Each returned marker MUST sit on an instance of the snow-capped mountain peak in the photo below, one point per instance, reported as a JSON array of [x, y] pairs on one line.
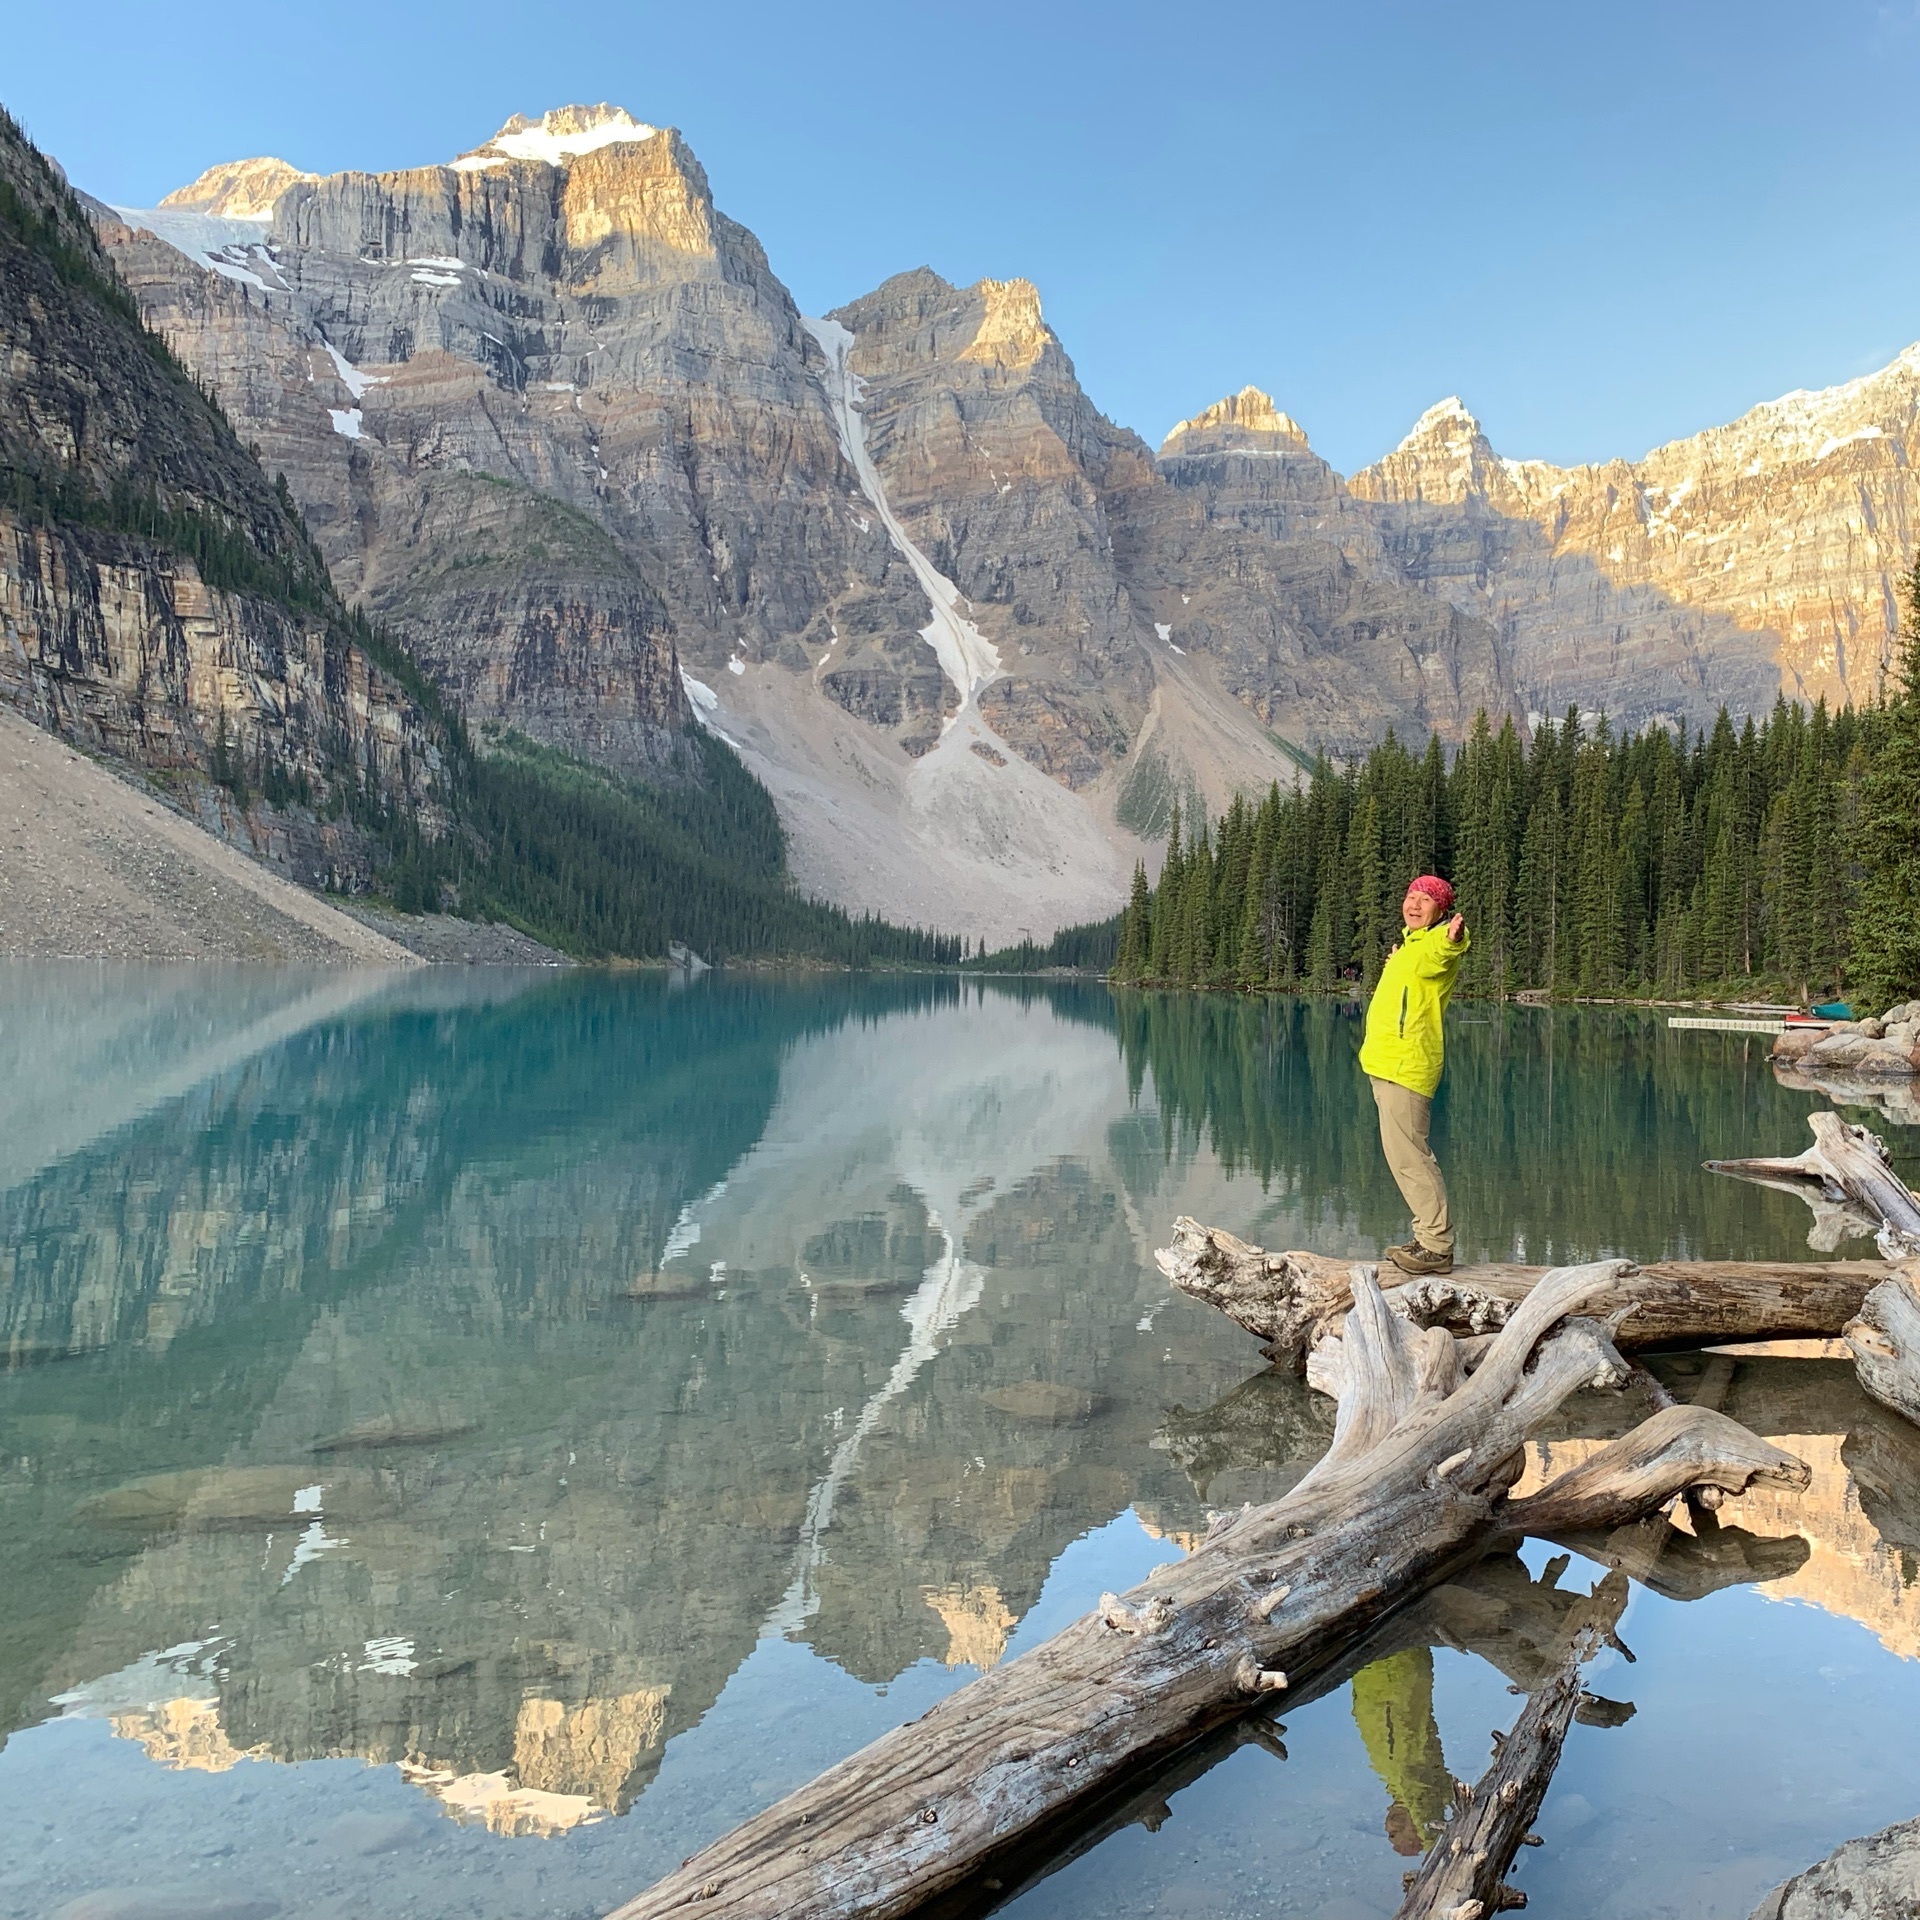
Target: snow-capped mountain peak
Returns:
[[1248, 416], [556, 137], [1447, 419]]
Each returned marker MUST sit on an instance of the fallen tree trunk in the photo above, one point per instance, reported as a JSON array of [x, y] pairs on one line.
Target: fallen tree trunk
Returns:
[[1845, 1173], [1464, 1875], [1413, 1485], [1494, 1610], [1885, 1341], [1288, 1300]]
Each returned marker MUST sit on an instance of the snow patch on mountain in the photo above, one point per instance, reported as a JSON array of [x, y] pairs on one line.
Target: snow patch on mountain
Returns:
[[355, 382], [231, 245], [556, 137], [967, 657]]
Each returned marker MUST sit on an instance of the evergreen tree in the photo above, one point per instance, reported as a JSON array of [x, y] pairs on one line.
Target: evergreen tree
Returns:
[[1136, 928], [1782, 855], [1536, 903], [1374, 921], [1886, 926]]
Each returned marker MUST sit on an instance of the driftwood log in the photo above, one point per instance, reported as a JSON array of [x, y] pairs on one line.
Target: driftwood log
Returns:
[[1464, 1874], [1885, 1341], [1289, 1300], [1846, 1176], [1414, 1484], [1494, 1610]]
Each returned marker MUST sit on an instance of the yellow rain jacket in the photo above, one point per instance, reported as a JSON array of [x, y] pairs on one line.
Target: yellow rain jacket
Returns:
[[1404, 1040]]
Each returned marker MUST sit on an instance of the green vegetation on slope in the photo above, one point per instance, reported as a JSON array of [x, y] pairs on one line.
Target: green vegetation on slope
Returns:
[[602, 866], [224, 556], [1772, 857]]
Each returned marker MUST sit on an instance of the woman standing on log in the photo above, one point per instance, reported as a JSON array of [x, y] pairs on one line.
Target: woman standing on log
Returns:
[[1403, 1054]]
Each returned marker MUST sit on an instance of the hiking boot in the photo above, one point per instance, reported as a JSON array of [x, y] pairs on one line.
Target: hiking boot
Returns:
[[1420, 1260], [1405, 1246]]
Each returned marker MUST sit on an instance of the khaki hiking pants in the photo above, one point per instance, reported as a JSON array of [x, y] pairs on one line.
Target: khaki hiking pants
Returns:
[[1405, 1117]]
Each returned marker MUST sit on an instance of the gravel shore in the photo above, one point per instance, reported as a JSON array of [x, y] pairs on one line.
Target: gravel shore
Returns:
[[91, 868]]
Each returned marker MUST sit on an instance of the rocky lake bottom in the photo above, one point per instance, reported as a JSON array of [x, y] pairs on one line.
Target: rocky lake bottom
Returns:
[[467, 1438]]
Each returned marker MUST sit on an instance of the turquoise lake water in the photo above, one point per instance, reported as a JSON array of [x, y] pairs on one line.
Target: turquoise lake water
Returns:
[[466, 1438]]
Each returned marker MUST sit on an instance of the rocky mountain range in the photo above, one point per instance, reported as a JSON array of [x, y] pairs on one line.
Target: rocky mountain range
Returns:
[[160, 602], [552, 414]]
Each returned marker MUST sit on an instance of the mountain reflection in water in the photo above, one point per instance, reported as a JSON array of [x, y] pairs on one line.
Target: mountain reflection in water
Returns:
[[507, 1380]]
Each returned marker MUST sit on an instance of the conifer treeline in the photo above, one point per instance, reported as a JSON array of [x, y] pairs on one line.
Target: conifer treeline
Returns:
[[603, 866], [1778, 855]]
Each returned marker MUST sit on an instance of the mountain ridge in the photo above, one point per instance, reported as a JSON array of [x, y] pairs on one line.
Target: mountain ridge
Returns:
[[563, 315]]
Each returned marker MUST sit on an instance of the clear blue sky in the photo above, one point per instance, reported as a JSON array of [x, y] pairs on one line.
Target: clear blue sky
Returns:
[[1604, 226]]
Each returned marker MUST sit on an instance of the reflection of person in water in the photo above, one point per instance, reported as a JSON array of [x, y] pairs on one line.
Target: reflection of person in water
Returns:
[[1393, 1708]]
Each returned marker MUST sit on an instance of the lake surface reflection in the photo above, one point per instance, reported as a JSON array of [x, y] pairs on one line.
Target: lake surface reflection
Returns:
[[466, 1439]]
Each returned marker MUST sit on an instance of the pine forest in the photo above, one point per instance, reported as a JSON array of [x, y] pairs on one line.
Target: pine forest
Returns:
[[1781, 856]]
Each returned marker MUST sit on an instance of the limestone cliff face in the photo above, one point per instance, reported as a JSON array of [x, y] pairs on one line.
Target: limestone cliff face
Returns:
[[158, 601], [1253, 554], [1166, 618], [238, 189], [1001, 471], [137, 658], [1750, 559], [545, 315], [550, 410]]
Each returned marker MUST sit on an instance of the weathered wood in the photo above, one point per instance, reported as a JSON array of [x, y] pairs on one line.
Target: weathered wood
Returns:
[[1287, 1300], [1846, 1172], [1885, 1341], [1413, 1485], [1689, 1566], [1678, 1448], [1464, 1874]]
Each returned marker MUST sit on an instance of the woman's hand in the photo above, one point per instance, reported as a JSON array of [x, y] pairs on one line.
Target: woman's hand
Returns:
[[1456, 928]]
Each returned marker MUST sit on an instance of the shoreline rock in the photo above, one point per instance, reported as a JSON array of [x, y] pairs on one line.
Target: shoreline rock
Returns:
[[1887, 1046]]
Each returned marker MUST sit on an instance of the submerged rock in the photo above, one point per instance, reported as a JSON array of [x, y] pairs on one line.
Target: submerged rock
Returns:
[[1045, 1402], [394, 1430], [215, 1497]]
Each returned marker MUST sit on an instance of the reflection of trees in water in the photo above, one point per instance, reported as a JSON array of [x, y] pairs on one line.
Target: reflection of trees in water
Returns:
[[1566, 1132]]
